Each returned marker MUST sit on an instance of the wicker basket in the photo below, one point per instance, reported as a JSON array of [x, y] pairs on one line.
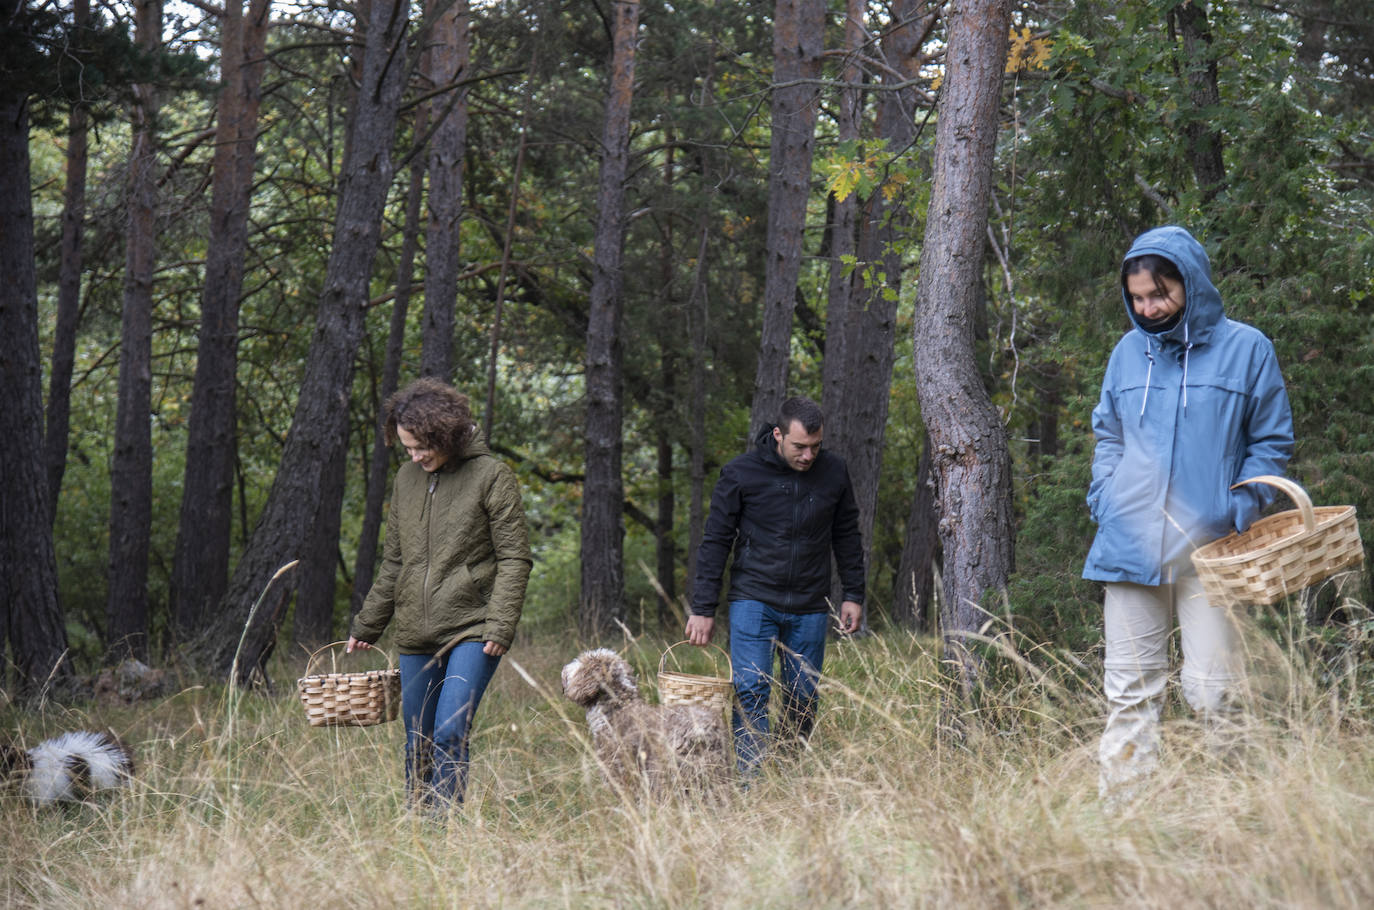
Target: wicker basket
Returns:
[[358, 699], [677, 688], [1281, 554]]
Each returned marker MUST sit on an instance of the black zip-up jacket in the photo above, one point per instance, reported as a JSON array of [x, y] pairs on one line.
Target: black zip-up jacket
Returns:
[[782, 525]]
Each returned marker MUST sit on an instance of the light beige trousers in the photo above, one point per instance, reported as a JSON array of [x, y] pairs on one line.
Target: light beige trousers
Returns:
[[1138, 621]]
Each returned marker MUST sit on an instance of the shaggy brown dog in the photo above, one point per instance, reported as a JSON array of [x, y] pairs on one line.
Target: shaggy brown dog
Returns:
[[646, 749]]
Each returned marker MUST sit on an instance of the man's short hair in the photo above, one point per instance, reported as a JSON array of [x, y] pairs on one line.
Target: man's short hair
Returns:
[[803, 411]]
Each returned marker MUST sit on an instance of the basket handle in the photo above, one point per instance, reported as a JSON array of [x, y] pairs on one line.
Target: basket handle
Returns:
[[1295, 492], [728, 664], [390, 664]]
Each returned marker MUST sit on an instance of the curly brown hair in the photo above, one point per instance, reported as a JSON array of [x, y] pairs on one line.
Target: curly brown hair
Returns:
[[434, 412]]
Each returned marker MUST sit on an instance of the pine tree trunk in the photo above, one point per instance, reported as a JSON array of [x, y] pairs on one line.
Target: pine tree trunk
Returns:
[[841, 236], [697, 319], [324, 395], [665, 547], [313, 622], [969, 449], [798, 42], [1200, 70], [603, 532], [31, 616], [914, 588], [447, 62], [131, 471], [200, 568], [856, 424], [365, 567], [68, 291]]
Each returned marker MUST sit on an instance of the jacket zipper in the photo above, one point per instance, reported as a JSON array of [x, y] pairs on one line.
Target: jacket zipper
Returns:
[[429, 527], [796, 542]]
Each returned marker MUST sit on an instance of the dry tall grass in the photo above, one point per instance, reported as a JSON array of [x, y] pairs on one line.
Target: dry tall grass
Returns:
[[240, 804]]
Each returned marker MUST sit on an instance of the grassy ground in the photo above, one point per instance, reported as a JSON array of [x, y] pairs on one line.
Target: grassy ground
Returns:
[[238, 803]]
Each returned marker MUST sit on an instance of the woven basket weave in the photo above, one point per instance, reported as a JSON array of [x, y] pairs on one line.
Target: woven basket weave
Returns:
[[677, 688], [1281, 554], [359, 699]]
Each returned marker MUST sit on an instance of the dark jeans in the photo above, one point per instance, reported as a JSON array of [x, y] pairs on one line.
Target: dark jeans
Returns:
[[438, 700], [758, 632]]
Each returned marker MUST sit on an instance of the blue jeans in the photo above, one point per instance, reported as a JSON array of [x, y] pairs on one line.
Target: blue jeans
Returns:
[[439, 697], [757, 633]]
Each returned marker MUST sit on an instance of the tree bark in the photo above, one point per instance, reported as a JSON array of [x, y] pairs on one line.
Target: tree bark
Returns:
[[313, 622], [841, 235], [870, 319], [200, 568], [603, 531], [365, 567], [447, 62], [30, 613], [798, 42], [68, 290], [665, 547], [698, 313], [914, 587], [969, 449], [131, 471], [363, 185], [1200, 70]]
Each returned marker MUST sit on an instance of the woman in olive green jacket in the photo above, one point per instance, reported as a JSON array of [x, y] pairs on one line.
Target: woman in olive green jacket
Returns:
[[452, 582]]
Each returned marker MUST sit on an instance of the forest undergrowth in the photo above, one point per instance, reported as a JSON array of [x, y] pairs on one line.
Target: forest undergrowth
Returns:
[[906, 797]]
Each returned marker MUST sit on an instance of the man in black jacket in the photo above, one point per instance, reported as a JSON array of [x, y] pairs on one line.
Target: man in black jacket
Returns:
[[782, 507]]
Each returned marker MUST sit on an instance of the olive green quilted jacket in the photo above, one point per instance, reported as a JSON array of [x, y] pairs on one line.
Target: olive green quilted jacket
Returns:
[[456, 559]]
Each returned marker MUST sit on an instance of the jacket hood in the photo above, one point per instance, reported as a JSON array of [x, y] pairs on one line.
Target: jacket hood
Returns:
[[767, 448], [476, 446], [1202, 301]]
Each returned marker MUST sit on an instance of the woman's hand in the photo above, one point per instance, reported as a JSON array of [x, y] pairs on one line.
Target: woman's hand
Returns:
[[493, 649], [356, 643]]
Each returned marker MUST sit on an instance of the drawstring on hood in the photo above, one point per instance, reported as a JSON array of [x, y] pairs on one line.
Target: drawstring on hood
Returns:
[[1201, 301]]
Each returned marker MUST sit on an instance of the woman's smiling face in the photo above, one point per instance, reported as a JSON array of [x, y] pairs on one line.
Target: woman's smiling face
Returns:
[[429, 459], [1154, 297]]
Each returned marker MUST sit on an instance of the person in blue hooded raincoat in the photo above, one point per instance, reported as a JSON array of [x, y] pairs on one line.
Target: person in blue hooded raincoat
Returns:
[[1192, 402]]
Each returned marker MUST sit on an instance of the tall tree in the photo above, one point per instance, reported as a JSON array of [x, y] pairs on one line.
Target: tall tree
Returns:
[[200, 568], [365, 567], [603, 570], [970, 456], [840, 231], [1199, 66], [798, 43], [324, 392], [30, 613], [446, 66], [68, 285], [313, 619], [914, 587], [870, 317], [131, 472]]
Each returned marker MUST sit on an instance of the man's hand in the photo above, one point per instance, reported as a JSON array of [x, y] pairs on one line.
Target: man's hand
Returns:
[[700, 629], [851, 614]]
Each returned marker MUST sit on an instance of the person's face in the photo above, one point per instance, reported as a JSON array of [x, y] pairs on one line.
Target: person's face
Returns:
[[797, 447], [429, 459], [1146, 299]]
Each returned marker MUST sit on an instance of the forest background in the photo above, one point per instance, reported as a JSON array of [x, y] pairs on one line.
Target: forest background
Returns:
[[626, 230]]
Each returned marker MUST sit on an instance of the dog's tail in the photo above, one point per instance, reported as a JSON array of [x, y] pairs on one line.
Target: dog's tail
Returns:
[[75, 765]]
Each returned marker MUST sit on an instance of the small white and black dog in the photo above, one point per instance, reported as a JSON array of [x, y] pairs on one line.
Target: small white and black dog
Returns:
[[644, 748], [67, 768]]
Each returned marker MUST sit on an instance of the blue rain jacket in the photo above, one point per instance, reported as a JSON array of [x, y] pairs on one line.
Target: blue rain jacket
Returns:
[[1184, 413]]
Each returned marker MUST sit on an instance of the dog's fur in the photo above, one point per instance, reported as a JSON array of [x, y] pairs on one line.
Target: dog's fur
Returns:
[[642, 748], [67, 768]]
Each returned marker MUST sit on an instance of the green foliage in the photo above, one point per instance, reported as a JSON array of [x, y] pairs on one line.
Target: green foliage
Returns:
[[1092, 153], [1100, 155]]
